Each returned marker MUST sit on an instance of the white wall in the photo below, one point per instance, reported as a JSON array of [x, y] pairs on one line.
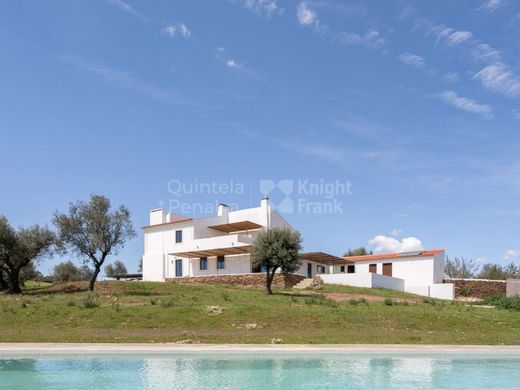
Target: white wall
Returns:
[[153, 267], [419, 270], [438, 268], [436, 290], [235, 264], [368, 280], [443, 291]]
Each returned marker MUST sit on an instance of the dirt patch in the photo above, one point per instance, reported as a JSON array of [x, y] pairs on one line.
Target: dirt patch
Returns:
[[340, 297], [74, 287]]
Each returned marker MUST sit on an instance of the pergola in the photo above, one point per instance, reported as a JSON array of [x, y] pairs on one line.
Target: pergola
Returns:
[[239, 226], [325, 258]]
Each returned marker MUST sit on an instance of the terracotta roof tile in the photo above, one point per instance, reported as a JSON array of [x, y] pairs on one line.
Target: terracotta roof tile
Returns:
[[383, 256]]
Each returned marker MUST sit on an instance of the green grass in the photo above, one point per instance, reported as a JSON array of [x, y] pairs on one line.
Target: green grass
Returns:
[[163, 312], [31, 284], [379, 292], [503, 302]]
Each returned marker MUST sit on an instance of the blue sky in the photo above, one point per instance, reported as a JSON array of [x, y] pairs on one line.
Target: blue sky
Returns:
[[415, 104]]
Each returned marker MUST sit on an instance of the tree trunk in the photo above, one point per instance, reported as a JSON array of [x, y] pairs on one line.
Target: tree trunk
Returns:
[[269, 281], [13, 281], [93, 278], [3, 282]]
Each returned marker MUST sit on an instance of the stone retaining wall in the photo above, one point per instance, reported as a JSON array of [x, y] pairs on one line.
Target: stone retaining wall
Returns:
[[246, 280], [477, 288]]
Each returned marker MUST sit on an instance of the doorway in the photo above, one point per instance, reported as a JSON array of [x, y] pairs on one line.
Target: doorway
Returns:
[[178, 267], [309, 270]]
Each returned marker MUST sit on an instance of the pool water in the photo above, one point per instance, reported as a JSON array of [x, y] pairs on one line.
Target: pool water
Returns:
[[260, 371]]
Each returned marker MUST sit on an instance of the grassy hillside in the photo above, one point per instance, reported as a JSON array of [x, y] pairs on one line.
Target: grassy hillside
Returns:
[[160, 312]]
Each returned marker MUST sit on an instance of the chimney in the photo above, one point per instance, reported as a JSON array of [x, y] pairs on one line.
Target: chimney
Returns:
[[157, 216], [223, 210], [264, 203]]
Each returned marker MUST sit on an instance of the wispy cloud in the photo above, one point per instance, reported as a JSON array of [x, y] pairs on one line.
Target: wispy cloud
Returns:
[[465, 104], [497, 77], [306, 16], [512, 255], [177, 29], [323, 152], [450, 35], [264, 7], [516, 113], [232, 63], [451, 77], [126, 80], [412, 60], [485, 53], [372, 39], [238, 67], [128, 9], [361, 127], [490, 5]]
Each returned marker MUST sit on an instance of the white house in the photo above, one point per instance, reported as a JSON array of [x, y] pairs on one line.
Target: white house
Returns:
[[419, 272], [177, 246]]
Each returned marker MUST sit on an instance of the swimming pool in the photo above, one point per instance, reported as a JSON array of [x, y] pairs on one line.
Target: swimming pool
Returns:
[[260, 371]]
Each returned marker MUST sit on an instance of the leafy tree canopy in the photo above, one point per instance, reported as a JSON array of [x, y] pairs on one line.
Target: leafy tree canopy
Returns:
[[277, 249]]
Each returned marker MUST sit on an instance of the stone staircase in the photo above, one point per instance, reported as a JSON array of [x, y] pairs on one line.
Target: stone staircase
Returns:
[[305, 283]]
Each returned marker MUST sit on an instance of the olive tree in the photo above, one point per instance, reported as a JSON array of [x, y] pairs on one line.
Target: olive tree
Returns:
[[118, 268], [20, 249], [460, 268], [277, 249], [67, 271], [361, 251], [93, 231]]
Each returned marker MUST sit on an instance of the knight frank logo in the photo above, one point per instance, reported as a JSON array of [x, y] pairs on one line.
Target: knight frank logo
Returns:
[[286, 187], [306, 196]]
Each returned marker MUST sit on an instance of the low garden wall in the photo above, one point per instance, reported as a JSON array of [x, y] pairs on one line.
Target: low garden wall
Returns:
[[477, 288], [246, 280]]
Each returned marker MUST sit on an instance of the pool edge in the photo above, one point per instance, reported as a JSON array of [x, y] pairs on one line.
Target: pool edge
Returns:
[[159, 348]]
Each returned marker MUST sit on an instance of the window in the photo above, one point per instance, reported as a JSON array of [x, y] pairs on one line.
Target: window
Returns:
[[320, 269], [372, 268], [178, 236], [220, 262], [351, 269], [342, 268], [203, 263]]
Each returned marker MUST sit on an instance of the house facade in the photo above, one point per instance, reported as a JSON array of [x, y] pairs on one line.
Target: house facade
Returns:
[[177, 246], [419, 272]]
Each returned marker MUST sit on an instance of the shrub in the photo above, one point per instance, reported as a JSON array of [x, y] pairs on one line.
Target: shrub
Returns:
[[389, 302], [169, 302], [276, 340], [225, 295], [503, 302], [464, 292], [68, 272], [90, 302]]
